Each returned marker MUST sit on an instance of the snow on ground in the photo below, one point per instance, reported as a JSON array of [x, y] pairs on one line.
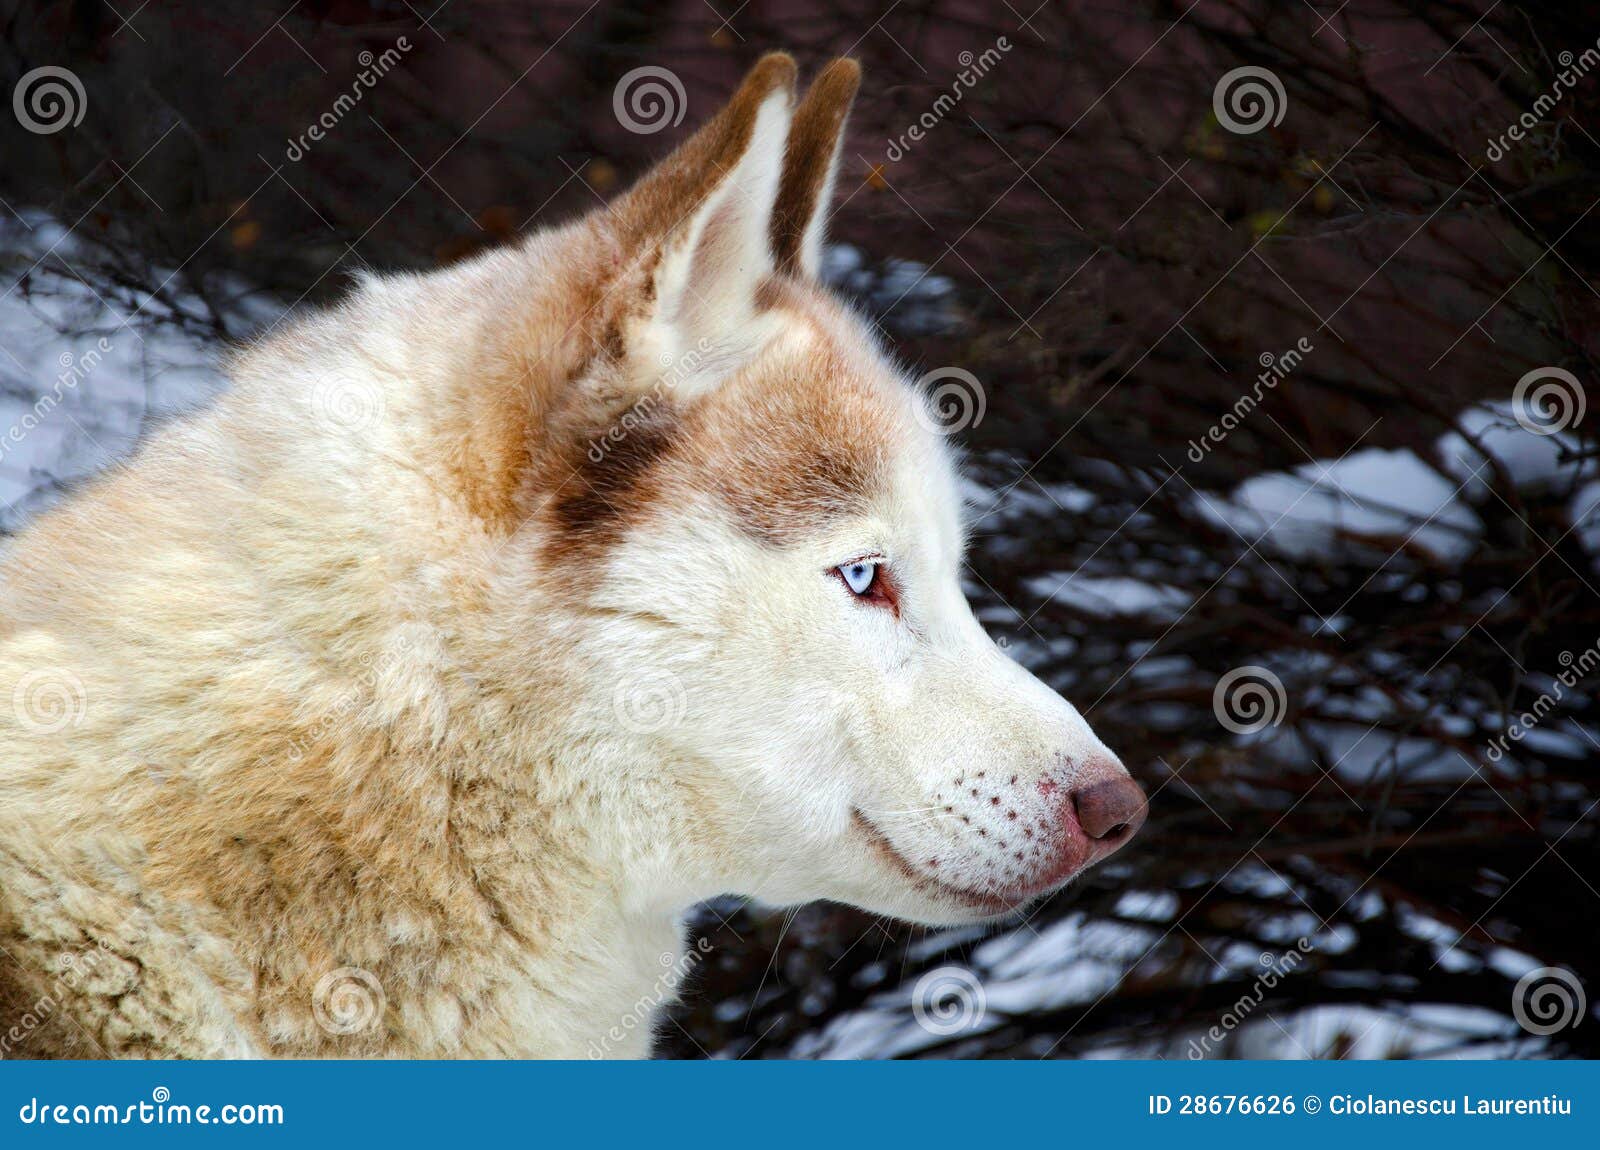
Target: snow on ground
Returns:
[[1076, 962], [902, 294], [1584, 511], [1531, 462], [83, 378], [1032, 968], [1372, 498], [1108, 595], [1377, 499]]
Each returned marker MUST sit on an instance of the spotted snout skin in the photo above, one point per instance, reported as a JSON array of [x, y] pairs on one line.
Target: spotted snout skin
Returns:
[[1011, 838]]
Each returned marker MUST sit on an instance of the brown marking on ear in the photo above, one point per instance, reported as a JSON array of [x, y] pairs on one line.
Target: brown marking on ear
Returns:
[[598, 443], [813, 140], [670, 191]]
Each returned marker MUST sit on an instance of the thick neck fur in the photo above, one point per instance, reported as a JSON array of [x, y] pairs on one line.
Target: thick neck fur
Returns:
[[583, 862]]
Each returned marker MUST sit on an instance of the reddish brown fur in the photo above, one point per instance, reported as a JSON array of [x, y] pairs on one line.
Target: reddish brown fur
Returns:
[[818, 123], [801, 442], [681, 182]]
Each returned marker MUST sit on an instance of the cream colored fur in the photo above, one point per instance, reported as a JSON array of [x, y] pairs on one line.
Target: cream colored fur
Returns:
[[325, 734]]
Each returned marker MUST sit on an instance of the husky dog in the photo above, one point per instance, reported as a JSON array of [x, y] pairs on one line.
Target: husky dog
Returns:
[[402, 701]]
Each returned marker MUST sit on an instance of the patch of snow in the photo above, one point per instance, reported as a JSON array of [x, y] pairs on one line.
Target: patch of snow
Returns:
[[1360, 1032], [1109, 595], [903, 294], [1360, 754], [1584, 513], [82, 378], [1530, 461], [1148, 905], [1376, 499]]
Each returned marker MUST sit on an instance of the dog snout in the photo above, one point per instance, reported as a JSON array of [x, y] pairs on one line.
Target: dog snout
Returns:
[[1111, 809]]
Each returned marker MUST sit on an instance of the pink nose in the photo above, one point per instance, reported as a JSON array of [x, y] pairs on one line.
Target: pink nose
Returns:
[[1111, 810]]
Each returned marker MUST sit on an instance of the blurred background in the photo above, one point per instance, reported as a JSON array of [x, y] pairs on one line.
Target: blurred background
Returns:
[[1265, 328]]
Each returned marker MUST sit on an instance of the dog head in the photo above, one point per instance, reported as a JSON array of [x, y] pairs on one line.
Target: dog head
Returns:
[[767, 523]]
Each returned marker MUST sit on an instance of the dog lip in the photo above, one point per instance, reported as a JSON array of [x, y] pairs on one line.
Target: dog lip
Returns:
[[993, 902]]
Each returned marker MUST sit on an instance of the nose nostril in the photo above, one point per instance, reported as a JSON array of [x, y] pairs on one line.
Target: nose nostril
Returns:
[[1110, 810]]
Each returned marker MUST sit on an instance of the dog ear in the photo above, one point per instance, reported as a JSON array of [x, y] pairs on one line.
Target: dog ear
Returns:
[[706, 213], [810, 167]]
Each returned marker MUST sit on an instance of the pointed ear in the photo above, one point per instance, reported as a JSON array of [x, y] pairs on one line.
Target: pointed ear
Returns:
[[715, 258], [706, 214], [810, 167]]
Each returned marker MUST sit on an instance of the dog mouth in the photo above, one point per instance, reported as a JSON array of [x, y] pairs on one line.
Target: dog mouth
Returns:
[[990, 902]]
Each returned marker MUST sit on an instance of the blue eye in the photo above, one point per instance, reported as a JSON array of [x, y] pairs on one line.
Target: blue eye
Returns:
[[859, 576], [871, 582]]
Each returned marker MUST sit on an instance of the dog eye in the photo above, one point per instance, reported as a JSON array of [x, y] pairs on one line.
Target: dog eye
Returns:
[[859, 577], [871, 582]]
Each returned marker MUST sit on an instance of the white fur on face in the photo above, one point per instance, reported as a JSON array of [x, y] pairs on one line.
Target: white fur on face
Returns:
[[899, 763]]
